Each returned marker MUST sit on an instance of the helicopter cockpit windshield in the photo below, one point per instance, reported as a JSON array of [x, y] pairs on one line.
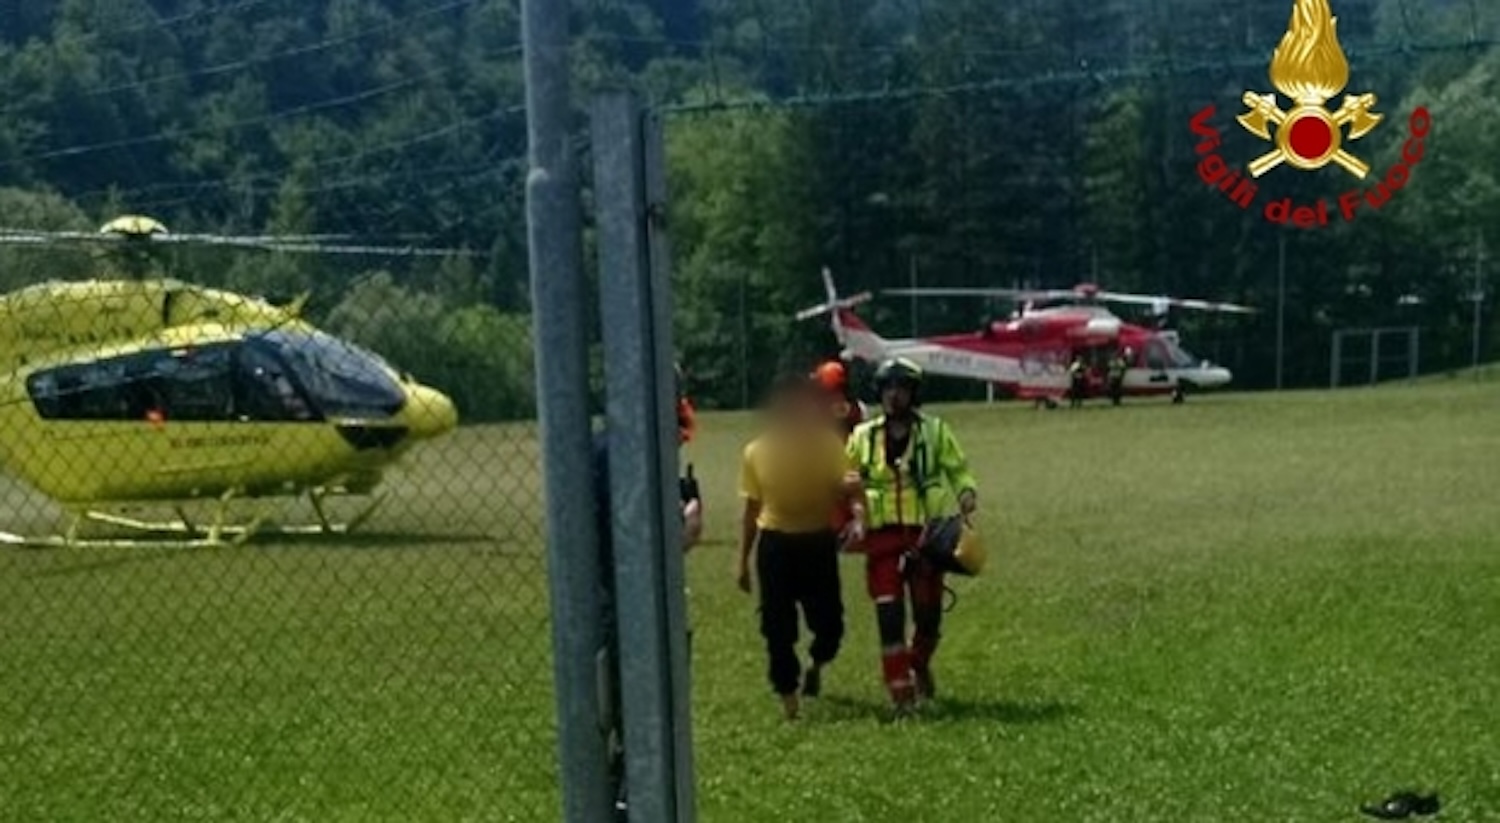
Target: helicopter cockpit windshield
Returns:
[[341, 379], [276, 376], [1165, 353]]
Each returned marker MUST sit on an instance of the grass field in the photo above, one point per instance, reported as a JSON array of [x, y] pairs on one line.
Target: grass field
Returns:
[[1245, 608]]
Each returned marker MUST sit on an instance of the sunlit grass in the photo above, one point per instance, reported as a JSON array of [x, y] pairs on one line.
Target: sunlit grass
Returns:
[[1244, 608]]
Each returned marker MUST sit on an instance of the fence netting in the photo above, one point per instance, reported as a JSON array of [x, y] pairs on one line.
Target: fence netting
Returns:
[[201, 616]]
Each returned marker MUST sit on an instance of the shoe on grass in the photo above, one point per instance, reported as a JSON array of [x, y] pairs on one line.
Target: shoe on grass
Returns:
[[926, 689], [812, 682]]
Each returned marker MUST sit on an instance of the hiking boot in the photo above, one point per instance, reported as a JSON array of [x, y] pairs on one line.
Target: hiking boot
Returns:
[[926, 689], [790, 706], [812, 681], [903, 710]]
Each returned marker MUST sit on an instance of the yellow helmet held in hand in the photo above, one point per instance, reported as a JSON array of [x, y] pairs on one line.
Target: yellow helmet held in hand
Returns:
[[953, 545]]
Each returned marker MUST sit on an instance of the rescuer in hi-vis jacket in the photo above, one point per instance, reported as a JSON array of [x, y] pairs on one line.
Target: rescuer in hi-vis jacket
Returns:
[[912, 470]]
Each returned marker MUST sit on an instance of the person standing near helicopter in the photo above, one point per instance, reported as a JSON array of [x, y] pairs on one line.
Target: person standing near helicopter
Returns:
[[913, 471], [1117, 367], [845, 409], [1078, 377], [846, 413], [791, 477]]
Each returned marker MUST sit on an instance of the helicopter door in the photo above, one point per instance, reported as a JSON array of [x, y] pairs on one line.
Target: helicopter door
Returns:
[[190, 385], [265, 389], [1157, 359]]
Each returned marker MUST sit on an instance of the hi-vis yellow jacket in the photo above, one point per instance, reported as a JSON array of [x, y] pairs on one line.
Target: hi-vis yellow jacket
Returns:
[[925, 484]]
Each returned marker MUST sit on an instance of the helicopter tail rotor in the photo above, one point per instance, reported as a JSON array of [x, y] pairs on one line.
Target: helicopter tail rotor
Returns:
[[834, 306], [834, 303]]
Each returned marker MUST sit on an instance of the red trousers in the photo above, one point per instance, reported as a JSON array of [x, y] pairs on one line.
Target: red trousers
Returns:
[[892, 570]]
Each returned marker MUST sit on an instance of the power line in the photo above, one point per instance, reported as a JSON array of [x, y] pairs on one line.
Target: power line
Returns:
[[348, 99], [295, 111], [809, 47], [1051, 78], [311, 48], [473, 173], [162, 23], [201, 186]]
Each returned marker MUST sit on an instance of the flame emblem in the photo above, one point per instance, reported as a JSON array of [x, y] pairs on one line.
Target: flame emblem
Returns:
[[1309, 67]]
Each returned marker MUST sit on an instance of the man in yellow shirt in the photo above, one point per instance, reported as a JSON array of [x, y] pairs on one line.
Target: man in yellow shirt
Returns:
[[791, 477]]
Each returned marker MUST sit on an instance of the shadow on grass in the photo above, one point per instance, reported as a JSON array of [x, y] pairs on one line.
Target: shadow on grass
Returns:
[[837, 709], [370, 540]]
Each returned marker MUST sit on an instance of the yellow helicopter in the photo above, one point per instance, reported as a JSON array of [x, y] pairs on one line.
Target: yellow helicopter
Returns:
[[151, 390]]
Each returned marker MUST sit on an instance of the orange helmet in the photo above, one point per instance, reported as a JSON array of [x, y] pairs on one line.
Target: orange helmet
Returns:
[[831, 375]]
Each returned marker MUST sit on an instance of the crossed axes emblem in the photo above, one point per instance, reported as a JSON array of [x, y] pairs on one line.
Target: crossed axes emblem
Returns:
[[1355, 113]]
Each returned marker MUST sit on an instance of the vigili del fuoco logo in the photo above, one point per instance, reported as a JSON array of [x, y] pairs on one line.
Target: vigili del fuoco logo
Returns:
[[1309, 68]]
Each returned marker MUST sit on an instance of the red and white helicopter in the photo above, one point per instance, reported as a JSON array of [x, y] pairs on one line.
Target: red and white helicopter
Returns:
[[1028, 354]]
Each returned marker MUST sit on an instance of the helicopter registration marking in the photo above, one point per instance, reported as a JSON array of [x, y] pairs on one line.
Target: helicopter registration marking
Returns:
[[220, 442], [947, 359]]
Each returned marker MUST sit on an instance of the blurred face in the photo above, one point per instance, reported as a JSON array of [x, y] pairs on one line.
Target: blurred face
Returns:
[[798, 408]]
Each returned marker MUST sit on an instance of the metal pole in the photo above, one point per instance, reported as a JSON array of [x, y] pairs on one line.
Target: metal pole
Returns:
[[1375, 356], [1335, 360], [744, 343], [1414, 334], [643, 472], [1478, 294], [673, 568], [913, 277], [1280, 302], [554, 235]]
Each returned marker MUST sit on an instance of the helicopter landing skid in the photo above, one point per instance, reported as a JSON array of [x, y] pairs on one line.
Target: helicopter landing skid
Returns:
[[185, 533], [65, 541]]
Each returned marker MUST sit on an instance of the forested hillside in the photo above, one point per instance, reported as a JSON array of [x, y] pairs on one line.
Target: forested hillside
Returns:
[[960, 142]]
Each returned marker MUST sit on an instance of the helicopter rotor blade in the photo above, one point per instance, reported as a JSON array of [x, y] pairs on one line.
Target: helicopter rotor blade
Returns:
[[1161, 303], [1158, 302], [253, 238], [20, 236], [35, 238], [305, 243], [1017, 294], [386, 251]]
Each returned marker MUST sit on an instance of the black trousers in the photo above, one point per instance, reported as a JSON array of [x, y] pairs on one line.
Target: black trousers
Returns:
[[798, 570]]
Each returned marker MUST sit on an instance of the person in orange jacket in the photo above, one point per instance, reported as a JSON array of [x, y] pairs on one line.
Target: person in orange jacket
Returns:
[[846, 410]]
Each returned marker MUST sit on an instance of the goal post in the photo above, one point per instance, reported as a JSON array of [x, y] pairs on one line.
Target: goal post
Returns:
[[1382, 348]]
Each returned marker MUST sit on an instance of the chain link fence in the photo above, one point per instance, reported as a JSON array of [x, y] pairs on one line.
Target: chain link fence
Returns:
[[399, 670]]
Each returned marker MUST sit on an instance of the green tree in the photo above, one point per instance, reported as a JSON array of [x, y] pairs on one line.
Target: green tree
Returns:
[[743, 245], [45, 211]]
